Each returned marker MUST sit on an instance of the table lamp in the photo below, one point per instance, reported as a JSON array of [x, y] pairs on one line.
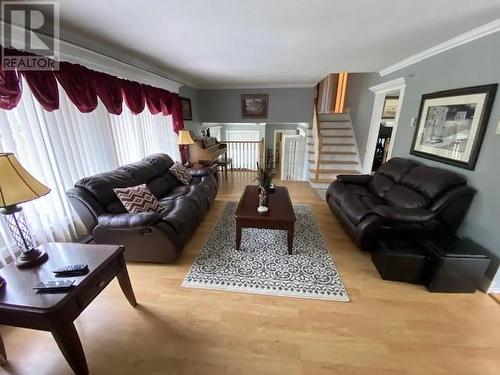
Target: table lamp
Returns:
[[18, 186], [185, 139]]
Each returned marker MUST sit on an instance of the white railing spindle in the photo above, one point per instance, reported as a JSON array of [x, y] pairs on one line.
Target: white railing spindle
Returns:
[[244, 154]]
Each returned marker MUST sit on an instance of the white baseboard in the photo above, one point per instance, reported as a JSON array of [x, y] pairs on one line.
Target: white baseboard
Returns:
[[489, 286]]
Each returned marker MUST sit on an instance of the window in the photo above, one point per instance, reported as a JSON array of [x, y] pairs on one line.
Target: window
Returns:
[[62, 146]]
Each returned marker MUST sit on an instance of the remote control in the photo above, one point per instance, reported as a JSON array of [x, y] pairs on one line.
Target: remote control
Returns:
[[54, 285], [73, 269]]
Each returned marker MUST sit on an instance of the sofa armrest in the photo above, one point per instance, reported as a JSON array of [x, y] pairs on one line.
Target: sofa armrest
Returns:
[[407, 215], [129, 220], [357, 179]]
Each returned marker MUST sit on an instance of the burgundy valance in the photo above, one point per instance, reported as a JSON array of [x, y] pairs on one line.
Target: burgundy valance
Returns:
[[44, 88], [77, 82], [134, 95], [10, 89], [109, 90], [83, 86]]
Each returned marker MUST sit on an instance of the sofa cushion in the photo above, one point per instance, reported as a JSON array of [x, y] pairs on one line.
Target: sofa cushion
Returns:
[[161, 162], [161, 186], [115, 207], [338, 189], [138, 199], [396, 168], [101, 185], [197, 193], [431, 182], [380, 185], [183, 215], [354, 208], [141, 172], [402, 196], [371, 201], [177, 192]]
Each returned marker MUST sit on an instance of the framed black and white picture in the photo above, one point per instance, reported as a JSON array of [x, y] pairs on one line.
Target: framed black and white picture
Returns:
[[390, 107], [187, 113], [451, 125], [254, 106]]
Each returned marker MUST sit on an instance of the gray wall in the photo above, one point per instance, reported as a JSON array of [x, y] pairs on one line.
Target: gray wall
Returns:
[[189, 92], [359, 100], [475, 63], [285, 105]]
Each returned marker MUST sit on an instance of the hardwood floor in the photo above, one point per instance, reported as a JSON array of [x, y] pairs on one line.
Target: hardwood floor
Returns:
[[387, 328]]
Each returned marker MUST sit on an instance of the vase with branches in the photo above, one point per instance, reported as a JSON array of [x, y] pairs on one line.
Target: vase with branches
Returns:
[[265, 179]]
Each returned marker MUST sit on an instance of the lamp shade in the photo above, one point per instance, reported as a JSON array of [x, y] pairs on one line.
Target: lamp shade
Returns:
[[184, 138], [16, 184]]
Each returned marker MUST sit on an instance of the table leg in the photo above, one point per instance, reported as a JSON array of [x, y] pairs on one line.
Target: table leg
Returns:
[[238, 236], [124, 281], [290, 240], [69, 343], [3, 354]]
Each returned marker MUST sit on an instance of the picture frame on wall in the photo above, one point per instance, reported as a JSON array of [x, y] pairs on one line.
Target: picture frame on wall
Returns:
[[254, 106], [451, 125], [187, 113], [390, 107]]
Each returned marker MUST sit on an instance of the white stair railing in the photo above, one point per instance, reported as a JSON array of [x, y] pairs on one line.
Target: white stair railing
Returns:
[[245, 154]]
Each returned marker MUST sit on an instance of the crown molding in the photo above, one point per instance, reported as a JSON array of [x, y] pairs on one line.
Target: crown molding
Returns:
[[93, 59], [464, 38], [389, 86], [251, 86]]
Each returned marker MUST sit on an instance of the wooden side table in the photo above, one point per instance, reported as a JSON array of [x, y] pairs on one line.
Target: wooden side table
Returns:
[[21, 306]]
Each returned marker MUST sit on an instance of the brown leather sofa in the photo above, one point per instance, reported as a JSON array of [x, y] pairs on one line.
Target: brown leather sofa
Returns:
[[403, 196], [150, 236]]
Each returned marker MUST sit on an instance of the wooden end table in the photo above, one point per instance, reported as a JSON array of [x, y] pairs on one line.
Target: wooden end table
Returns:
[[279, 216], [21, 306]]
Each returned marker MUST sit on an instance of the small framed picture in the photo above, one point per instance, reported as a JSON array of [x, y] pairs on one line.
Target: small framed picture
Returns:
[[187, 113], [390, 107], [254, 106], [451, 125]]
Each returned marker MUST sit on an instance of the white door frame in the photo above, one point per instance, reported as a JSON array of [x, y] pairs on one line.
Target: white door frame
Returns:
[[378, 107], [285, 132]]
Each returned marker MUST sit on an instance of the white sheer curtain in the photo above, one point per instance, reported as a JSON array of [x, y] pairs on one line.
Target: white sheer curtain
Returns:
[[143, 134], [62, 146]]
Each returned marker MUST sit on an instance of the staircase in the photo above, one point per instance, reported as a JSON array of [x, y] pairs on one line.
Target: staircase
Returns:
[[331, 150]]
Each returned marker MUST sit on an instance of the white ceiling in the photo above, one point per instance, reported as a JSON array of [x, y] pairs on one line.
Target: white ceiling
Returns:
[[245, 43]]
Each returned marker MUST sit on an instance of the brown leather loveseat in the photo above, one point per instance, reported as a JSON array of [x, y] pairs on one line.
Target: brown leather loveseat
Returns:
[[150, 236], [403, 196]]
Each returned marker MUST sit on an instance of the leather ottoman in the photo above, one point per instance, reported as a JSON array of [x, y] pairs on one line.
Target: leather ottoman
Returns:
[[399, 260], [455, 265]]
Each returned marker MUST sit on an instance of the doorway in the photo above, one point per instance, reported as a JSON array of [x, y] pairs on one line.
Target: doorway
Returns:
[[384, 123], [293, 148], [277, 150]]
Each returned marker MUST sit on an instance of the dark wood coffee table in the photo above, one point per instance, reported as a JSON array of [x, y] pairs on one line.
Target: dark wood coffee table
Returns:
[[21, 306], [279, 216]]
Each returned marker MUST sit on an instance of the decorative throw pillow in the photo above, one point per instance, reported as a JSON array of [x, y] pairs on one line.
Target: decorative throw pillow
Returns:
[[138, 199], [181, 173]]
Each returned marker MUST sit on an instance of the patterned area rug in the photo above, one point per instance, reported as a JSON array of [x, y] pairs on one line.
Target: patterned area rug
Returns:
[[263, 266]]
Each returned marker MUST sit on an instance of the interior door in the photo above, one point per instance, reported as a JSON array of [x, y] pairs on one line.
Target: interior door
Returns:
[[293, 148]]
